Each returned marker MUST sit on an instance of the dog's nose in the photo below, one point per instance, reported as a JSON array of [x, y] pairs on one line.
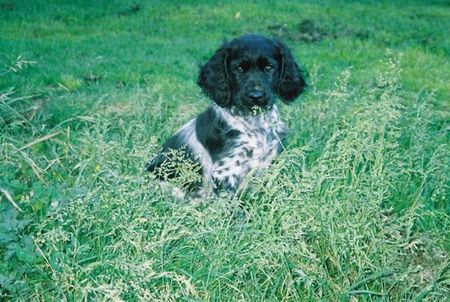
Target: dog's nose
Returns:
[[256, 96]]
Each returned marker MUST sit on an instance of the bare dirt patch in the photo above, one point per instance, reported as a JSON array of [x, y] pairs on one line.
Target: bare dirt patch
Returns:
[[310, 31]]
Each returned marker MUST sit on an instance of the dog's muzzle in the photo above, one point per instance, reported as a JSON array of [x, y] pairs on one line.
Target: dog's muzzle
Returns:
[[257, 98]]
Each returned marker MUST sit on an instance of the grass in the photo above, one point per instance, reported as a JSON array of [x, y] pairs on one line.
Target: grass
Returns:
[[355, 209]]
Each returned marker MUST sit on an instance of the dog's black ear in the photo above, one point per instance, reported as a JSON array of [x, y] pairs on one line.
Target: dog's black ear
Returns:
[[214, 79], [291, 82]]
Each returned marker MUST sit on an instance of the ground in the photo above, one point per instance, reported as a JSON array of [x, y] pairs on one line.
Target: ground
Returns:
[[356, 208]]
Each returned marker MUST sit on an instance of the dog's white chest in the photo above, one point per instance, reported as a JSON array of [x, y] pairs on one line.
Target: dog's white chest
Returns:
[[254, 149]]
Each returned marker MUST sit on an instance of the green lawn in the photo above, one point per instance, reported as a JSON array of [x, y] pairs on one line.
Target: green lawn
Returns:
[[355, 209]]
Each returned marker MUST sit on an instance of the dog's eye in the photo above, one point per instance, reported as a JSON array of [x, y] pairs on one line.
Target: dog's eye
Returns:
[[239, 69], [268, 68]]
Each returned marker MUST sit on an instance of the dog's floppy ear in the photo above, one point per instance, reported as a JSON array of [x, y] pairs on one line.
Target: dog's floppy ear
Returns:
[[214, 79], [291, 82]]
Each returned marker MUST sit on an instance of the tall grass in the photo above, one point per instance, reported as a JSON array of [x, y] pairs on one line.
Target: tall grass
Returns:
[[352, 210]]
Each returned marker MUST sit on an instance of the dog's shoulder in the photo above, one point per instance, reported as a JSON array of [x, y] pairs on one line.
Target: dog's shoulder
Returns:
[[213, 132]]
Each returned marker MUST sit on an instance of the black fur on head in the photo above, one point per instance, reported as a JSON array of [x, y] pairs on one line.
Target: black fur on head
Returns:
[[214, 78], [291, 82], [250, 71]]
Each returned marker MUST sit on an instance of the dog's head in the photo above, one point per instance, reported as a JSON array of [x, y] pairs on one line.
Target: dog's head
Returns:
[[251, 71]]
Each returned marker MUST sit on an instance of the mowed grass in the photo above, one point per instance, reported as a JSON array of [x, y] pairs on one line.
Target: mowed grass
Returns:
[[355, 209]]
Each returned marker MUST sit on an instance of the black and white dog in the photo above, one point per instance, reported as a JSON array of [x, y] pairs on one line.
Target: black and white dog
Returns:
[[242, 131]]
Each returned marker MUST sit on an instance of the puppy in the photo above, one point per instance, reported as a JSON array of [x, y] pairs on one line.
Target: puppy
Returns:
[[242, 131]]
